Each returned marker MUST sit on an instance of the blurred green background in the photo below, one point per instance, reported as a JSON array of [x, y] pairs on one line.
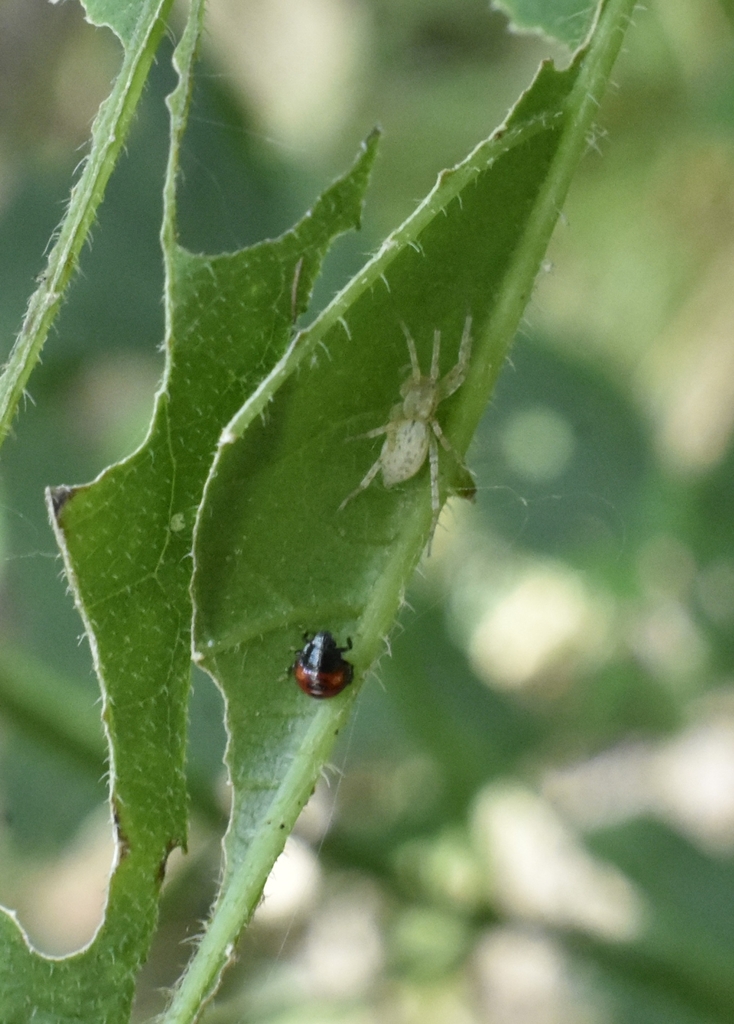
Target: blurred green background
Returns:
[[531, 820]]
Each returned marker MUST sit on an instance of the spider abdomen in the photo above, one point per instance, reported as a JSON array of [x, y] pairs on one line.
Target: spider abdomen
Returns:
[[404, 451]]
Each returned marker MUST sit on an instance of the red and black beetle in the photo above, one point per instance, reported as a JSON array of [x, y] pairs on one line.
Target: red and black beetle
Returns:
[[319, 668]]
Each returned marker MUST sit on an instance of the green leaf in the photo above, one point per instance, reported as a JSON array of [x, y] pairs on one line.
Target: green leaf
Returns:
[[140, 25], [126, 540], [569, 21], [124, 17], [275, 555]]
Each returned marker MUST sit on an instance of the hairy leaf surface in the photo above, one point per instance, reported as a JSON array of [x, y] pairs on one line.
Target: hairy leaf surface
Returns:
[[127, 539], [275, 554]]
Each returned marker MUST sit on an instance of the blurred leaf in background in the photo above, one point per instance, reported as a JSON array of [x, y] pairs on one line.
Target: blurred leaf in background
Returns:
[[532, 820]]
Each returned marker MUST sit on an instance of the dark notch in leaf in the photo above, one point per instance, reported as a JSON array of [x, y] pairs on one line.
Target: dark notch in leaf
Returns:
[[59, 497]]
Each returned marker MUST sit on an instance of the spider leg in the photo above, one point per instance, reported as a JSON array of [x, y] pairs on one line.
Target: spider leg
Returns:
[[377, 432], [414, 364], [435, 427], [368, 478], [435, 491], [435, 356], [465, 485], [455, 377]]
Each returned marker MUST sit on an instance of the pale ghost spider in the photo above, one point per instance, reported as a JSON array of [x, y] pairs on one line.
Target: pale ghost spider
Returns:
[[412, 428]]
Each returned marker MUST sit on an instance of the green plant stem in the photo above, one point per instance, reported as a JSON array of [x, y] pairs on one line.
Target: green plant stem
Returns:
[[239, 899], [109, 132]]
